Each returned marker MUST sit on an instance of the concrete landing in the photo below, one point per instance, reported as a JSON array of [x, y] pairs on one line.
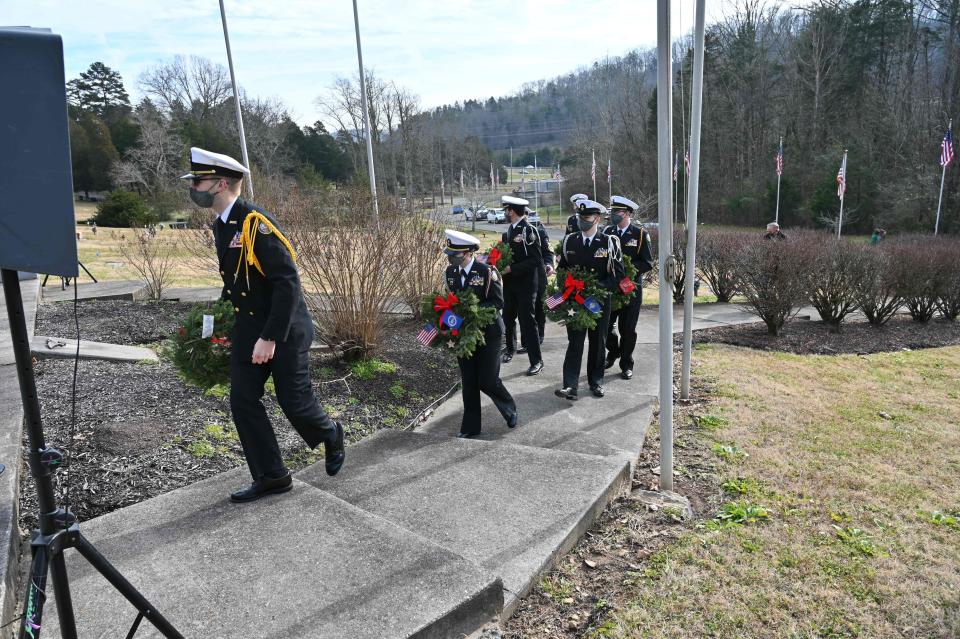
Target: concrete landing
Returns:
[[193, 294], [510, 509], [304, 564], [42, 346], [113, 290]]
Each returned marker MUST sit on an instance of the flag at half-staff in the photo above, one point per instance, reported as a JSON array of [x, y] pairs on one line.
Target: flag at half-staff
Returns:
[[779, 160], [946, 156]]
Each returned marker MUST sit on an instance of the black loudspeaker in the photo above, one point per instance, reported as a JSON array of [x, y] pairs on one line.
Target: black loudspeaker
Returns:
[[37, 228]]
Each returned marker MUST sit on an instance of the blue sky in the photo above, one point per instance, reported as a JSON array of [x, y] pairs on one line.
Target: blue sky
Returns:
[[294, 49]]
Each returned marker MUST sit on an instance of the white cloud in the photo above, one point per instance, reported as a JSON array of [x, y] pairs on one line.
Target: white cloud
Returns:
[[443, 50]]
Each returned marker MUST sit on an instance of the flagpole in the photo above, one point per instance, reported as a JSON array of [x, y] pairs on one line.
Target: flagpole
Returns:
[[236, 99], [593, 173], [693, 196], [843, 194], [536, 184], [559, 194], [366, 118], [676, 184], [776, 217], [943, 176], [665, 239], [610, 178], [510, 177]]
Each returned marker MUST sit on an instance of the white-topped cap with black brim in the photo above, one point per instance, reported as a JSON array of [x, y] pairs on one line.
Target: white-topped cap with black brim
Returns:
[[460, 242], [518, 204], [618, 202], [589, 207], [205, 163], [578, 196]]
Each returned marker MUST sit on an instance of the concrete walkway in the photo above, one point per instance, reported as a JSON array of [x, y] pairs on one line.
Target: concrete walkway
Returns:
[[421, 534]]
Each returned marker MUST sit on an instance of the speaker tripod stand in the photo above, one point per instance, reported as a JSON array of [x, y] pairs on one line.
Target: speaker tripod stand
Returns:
[[58, 527]]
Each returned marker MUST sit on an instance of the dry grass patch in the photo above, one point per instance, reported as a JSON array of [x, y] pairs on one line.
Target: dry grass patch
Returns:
[[856, 461]]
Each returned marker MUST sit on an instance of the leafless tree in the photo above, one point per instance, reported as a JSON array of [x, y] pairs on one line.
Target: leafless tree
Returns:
[[193, 84]]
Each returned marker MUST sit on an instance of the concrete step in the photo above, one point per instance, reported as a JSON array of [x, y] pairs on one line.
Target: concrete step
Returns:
[[303, 564], [613, 425], [510, 509], [112, 290], [42, 346]]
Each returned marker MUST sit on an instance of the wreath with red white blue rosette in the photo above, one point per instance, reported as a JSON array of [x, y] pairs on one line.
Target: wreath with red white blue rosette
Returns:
[[455, 322]]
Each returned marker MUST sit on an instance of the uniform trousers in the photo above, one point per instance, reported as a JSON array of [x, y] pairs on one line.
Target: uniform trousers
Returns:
[[596, 344], [481, 373], [539, 312], [519, 300], [291, 378], [625, 321]]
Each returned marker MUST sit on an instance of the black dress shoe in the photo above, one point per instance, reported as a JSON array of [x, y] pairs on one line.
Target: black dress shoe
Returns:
[[507, 357], [262, 487], [566, 393], [626, 373], [512, 422], [335, 452], [535, 369], [522, 349], [597, 391], [467, 435], [609, 363]]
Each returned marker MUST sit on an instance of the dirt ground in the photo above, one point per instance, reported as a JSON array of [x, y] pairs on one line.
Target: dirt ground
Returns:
[[142, 431]]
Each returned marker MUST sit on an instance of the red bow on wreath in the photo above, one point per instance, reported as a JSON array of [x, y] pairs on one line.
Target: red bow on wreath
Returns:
[[573, 285], [494, 256], [440, 305]]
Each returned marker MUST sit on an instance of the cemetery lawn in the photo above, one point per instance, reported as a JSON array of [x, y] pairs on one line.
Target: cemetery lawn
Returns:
[[142, 431], [827, 500]]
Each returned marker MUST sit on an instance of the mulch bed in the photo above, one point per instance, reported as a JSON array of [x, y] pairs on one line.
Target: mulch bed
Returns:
[[857, 336], [616, 547], [141, 431]]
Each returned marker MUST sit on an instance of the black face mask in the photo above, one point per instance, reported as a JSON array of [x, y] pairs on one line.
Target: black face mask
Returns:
[[203, 199], [617, 218], [456, 260], [585, 225]]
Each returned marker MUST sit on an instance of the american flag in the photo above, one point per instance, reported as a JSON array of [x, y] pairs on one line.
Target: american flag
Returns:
[[609, 170], [593, 167], [493, 180], [461, 181], [427, 334], [842, 178], [556, 175], [780, 159], [946, 147], [686, 161], [554, 300], [442, 186], [676, 166]]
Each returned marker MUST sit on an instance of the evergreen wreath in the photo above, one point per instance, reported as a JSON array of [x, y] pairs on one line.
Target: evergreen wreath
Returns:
[[578, 285], [500, 253], [462, 341], [204, 361], [621, 299]]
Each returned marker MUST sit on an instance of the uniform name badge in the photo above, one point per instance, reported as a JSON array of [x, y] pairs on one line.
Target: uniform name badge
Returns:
[[476, 280], [235, 242]]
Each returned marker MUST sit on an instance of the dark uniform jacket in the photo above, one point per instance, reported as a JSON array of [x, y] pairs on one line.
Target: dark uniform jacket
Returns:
[[635, 244], [268, 305], [603, 256], [572, 226], [546, 252], [485, 283], [524, 241]]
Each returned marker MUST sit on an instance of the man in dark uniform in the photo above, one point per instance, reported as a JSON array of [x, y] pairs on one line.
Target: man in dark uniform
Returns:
[[635, 243], [591, 249], [572, 220], [546, 270], [481, 372], [520, 282], [272, 330]]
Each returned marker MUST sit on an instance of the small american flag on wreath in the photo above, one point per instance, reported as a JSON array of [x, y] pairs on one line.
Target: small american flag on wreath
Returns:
[[427, 334], [554, 300]]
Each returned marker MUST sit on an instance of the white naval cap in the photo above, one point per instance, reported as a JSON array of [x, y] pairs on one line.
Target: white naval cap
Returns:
[[620, 202], [589, 207], [516, 203], [458, 242], [578, 196], [205, 163]]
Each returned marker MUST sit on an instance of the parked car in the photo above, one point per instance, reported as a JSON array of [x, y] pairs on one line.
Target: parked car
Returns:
[[497, 216], [457, 209], [482, 213]]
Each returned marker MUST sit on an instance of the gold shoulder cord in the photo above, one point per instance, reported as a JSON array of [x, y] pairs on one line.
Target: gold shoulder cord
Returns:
[[248, 235]]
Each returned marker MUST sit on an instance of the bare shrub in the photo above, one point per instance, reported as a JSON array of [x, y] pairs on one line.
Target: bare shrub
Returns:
[[948, 301], [717, 252], [830, 275], [420, 262], [878, 288], [152, 257], [769, 275], [922, 276]]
